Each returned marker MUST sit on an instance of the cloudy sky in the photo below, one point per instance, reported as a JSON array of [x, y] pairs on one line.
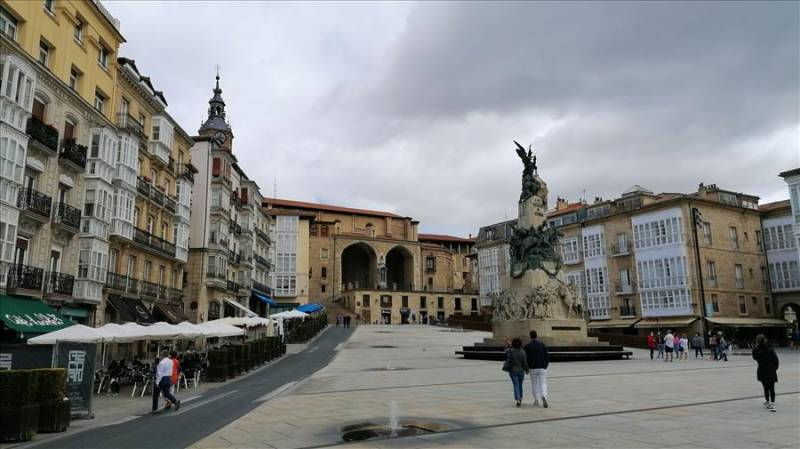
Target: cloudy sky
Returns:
[[412, 108]]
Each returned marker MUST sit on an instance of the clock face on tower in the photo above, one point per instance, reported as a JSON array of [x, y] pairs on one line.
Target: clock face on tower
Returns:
[[220, 138]]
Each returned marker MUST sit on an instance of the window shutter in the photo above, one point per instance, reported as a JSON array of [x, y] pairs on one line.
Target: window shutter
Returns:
[[216, 168]]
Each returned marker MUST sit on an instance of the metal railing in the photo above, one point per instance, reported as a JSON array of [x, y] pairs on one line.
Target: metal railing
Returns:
[[42, 133], [25, 277], [148, 289], [131, 125], [263, 235], [232, 286], [262, 261], [170, 204], [31, 200], [58, 283], [261, 287], [235, 228], [73, 153], [624, 289], [620, 249], [68, 216], [234, 258], [627, 311], [156, 243], [116, 281]]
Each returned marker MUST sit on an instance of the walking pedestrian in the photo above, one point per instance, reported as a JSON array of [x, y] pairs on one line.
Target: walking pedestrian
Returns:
[[684, 347], [538, 360], [164, 379], [697, 344], [767, 372], [338, 319], [676, 343], [660, 345], [712, 345], [651, 343], [516, 365], [669, 346], [176, 370], [722, 347]]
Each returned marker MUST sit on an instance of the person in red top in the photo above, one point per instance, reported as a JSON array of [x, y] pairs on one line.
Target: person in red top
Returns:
[[651, 343], [176, 364]]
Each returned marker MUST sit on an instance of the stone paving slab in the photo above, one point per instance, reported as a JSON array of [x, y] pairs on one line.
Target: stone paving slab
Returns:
[[623, 404]]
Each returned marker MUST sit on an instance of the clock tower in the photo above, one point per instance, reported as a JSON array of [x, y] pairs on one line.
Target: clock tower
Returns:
[[215, 125]]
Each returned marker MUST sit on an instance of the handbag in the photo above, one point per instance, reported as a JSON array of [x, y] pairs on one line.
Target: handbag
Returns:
[[507, 364]]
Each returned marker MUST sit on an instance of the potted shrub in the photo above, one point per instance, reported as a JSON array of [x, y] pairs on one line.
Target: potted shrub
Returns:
[[19, 412], [54, 406]]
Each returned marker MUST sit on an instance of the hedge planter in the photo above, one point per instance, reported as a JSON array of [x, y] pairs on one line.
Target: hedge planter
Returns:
[[53, 416], [18, 423]]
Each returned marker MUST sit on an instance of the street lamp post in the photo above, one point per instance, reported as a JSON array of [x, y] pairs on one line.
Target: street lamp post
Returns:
[[697, 220]]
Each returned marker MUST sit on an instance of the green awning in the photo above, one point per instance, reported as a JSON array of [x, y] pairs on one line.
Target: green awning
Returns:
[[30, 315]]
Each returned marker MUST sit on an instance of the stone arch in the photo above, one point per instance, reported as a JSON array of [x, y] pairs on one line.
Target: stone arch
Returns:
[[359, 266], [400, 268]]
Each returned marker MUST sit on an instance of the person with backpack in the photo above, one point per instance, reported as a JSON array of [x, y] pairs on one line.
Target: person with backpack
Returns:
[[516, 365], [722, 347], [697, 344], [767, 371]]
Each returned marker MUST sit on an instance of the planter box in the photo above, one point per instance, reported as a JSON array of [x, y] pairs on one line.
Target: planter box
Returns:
[[18, 423], [53, 416]]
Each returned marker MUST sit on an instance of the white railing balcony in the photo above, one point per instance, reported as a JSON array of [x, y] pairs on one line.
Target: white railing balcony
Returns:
[[182, 254], [571, 258], [786, 284], [122, 228], [159, 151], [602, 313], [666, 311], [672, 281]]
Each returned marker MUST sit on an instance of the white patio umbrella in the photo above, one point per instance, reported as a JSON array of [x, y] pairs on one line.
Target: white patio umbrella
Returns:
[[289, 314], [246, 321], [218, 328], [190, 330], [163, 331], [113, 332], [77, 333]]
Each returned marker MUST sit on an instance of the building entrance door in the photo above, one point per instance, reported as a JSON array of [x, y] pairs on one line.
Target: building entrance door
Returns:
[[423, 317], [404, 315], [386, 316]]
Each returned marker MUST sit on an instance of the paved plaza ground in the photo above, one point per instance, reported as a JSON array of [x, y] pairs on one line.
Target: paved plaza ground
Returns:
[[622, 404]]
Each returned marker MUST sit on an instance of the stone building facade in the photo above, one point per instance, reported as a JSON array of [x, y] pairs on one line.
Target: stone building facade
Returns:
[[358, 252], [229, 243], [635, 264]]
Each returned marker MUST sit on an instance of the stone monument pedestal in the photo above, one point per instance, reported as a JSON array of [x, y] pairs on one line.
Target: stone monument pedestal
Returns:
[[552, 332]]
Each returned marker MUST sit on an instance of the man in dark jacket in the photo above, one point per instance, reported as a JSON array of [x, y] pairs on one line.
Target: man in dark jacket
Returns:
[[536, 353]]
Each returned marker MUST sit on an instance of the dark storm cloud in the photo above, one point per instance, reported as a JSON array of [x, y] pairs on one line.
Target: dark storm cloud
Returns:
[[413, 108]]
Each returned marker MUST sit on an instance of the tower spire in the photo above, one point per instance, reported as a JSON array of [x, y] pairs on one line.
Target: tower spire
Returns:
[[216, 109]]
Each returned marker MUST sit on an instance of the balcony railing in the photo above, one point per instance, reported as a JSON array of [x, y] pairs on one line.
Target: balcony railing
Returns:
[[159, 151], [186, 173], [261, 287], [68, 216], [58, 283], [24, 277], [599, 313], [116, 281], [232, 286], [620, 249], [170, 204], [235, 228], [148, 289], [174, 293], [627, 311], [262, 261], [30, 200], [44, 134], [142, 186], [155, 243], [571, 257], [73, 153], [131, 125], [157, 196], [263, 235], [234, 258], [624, 288]]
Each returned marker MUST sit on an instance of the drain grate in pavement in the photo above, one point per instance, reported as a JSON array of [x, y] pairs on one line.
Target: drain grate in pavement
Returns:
[[383, 346]]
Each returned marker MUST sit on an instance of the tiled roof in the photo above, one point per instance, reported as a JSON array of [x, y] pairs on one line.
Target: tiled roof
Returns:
[[444, 238], [775, 205], [326, 207], [570, 208]]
